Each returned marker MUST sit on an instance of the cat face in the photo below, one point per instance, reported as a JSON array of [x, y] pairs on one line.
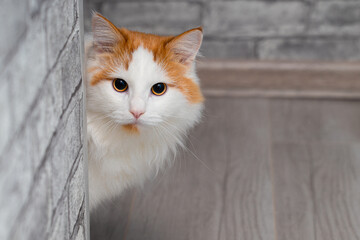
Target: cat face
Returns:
[[141, 80]]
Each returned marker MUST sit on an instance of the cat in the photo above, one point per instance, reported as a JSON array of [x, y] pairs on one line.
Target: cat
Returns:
[[143, 96]]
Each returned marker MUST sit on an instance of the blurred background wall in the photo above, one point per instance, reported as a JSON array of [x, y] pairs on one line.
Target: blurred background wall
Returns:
[[259, 29], [42, 166]]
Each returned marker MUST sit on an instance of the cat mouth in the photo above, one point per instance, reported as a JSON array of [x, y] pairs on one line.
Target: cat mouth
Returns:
[[131, 128], [139, 123], [135, 123]]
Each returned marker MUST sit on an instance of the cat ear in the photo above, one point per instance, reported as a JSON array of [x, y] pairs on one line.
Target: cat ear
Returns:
[[105, 34], [186, 45]]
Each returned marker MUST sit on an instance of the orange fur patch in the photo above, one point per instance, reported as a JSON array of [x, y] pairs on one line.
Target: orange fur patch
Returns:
[[98, 76], [187, 86], [121, 54], [131, 128]]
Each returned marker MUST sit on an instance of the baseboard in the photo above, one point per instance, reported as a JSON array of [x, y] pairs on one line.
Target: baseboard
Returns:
[[280, 79]]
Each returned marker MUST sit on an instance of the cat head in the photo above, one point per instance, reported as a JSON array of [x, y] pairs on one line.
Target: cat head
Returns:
[[142, 81]]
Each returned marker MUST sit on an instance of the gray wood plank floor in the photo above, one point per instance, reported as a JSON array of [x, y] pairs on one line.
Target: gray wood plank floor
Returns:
[[269, 169]]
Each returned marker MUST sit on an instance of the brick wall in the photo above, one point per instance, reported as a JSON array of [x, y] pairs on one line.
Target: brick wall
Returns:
[[42, 192], [257, 29]]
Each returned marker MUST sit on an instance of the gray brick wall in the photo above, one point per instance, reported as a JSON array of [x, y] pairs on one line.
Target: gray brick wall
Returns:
[[42, 180], [244, 29]]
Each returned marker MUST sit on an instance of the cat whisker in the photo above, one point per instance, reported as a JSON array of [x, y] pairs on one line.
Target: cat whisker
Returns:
[[173, 134], [176, 117], [103, 126], [97, 118], [201, 161], [196, 157], [175, 127]]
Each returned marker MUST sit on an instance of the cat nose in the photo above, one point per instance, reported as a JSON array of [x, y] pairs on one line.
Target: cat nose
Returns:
[[137, 114], [137, 107]]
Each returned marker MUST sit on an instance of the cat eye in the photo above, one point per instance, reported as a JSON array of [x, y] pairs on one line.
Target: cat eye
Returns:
[[120, 85], [158, 89]]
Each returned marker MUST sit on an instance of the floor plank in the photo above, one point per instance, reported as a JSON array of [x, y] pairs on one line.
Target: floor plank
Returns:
[[295, 121], [336, 184], [248, 211], [336, 172], [109, 221], [294, 124], [340, 122], [315, 168], [292, 191]]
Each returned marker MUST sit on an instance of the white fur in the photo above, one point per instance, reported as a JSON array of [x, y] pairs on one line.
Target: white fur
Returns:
[[119, 159]]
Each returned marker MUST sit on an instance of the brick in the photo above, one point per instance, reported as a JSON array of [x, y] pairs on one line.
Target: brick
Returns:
[[335, 18], [60, 20], [12, 26], [14, 190], [42, 121], [25, 79], [35, 7], [310, 49], [29, 147], [5, 116], [255, 19], [228, 49], [44, 118], [71, 134], [70, 67], [56, 94], [18, 160], [82, 122], [60, 228], [34, 222], [159, 18], [76, 193], [65, 149], [80, 234]]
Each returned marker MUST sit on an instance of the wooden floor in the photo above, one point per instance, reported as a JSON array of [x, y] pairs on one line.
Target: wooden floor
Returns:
[[269, 169]]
